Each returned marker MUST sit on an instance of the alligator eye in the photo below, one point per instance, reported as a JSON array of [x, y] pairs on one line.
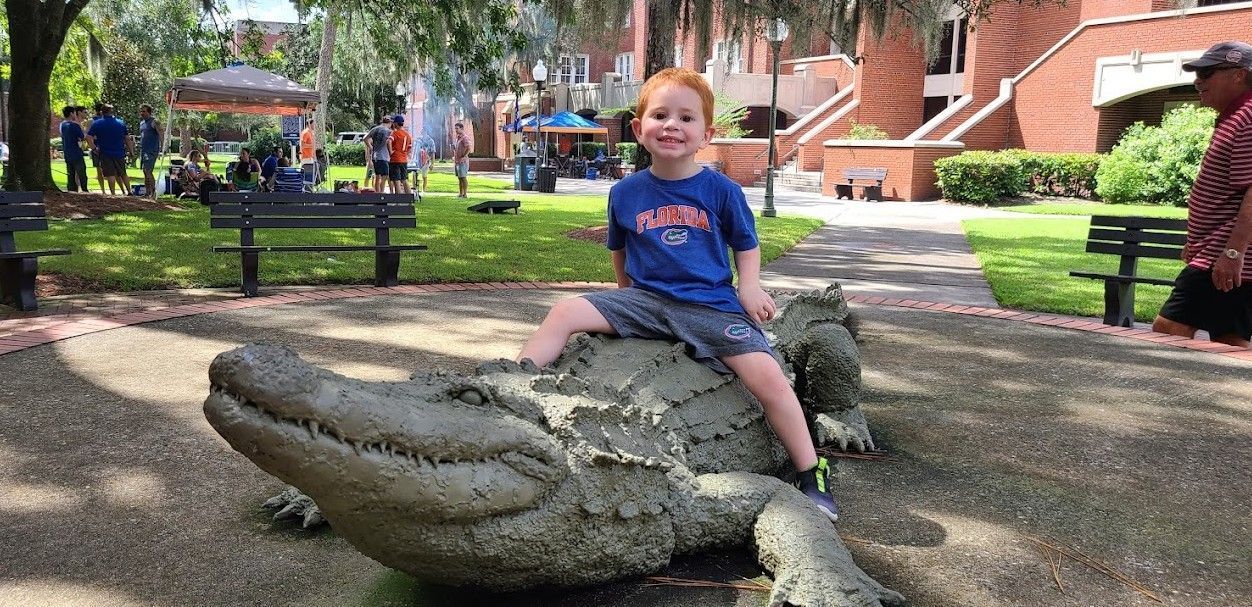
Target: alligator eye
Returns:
[[471, 396]]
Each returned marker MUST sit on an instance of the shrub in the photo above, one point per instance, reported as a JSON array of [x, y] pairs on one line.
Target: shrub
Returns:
[[864, 131], [627, 152], [346, 154], [1157, 165], [1050, 174], [979, 177], [588, 149], [265, 139]]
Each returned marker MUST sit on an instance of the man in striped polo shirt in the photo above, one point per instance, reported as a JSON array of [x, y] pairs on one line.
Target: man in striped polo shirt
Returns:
[[1214, 291]]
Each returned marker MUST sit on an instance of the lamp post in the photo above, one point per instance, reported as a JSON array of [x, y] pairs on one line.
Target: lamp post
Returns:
[[775, 31], [540, 74]]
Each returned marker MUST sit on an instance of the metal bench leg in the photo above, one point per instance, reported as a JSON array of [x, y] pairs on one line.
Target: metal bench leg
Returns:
[[17, 282], [386, 268], [843, 189], [249, 265], [1119, 303], [873, 192]]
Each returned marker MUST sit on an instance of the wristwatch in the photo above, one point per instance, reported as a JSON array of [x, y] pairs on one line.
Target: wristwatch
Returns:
[[1233, 253]]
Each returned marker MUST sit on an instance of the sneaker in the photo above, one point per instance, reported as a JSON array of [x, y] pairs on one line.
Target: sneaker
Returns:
[[815, 483]]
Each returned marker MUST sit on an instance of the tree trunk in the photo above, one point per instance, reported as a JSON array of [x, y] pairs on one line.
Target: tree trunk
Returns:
[[324, 59], [36, 33], [662, 29], [184, 139]]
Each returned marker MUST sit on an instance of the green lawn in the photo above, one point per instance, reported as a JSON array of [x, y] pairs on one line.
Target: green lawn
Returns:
[[1096, 208], [160, 249], [1027, 260]]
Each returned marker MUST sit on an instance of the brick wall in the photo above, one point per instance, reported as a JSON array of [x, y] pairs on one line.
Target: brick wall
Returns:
[[910, 170], [1097, 9], [889, 82], [1062, 85], [743, 161]]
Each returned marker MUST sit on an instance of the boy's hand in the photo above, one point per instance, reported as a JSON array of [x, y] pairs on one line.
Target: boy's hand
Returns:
[[757, 303]]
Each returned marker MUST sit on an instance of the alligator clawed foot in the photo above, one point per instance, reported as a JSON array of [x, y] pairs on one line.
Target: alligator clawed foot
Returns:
[[832, 431], [291, 503]]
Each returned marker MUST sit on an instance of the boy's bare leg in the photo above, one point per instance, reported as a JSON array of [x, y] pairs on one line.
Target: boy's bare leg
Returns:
[[762, 376], [567, 317]]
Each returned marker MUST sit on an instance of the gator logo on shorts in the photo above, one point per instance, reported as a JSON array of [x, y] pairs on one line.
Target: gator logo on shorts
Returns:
[[737, 332], [674, 236]]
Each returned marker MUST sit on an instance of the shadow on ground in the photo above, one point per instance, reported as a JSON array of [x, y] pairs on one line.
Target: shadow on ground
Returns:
[[114, 490]]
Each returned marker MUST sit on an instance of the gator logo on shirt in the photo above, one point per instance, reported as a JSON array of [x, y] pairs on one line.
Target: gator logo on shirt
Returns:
[[737, 332], [674, 236]]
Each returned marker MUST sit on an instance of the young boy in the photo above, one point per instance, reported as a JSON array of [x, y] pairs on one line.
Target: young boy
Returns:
[[669, 227]]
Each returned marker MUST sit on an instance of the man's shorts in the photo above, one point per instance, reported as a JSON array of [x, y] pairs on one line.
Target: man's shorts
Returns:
[[398, 170], [381, 168], [1195, 302], [147, 161], [709, 334], [112, 167], [95, 158], [462, 168]]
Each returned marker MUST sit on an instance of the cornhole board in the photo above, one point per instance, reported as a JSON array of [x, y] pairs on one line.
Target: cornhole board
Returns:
[[496, 206]]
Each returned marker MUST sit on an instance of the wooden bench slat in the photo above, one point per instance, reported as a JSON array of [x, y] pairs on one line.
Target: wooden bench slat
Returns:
[[1144, 223], [306, 198], [864, 173], [1167, 238], [20, 197], [313, 222], [23, 225], [1126, 279], [39, 253], [1134, 250], [293, 248], [312, 210], [23, 209]]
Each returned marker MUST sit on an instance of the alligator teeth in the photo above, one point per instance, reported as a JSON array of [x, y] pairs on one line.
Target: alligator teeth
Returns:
[[387, 448], [312, 430], [356, 447]]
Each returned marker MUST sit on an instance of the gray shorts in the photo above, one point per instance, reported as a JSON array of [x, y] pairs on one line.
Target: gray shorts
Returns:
[[461, 168], [709, 334]]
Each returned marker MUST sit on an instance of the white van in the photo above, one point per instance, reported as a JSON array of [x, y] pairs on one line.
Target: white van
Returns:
[[350, 137]]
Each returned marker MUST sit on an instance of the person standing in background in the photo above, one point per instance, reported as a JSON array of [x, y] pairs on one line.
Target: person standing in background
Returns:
[[378, 152], [401, 149], [307, 141], [95, 153], [72, 149], [460, 159], [111, 139], [149, 148]]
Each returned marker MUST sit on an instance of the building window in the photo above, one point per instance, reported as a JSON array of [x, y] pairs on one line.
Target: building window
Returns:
[[571, 69], [1215, 2], [732, 53], [932, 107], [625, 65], [678, 55], [626, 23], [951, 59]]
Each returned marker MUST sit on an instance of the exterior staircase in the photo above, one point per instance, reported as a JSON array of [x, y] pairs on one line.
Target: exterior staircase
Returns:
[[792, 179]]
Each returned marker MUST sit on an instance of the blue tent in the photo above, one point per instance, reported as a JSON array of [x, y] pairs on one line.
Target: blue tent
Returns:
[[562, 122]]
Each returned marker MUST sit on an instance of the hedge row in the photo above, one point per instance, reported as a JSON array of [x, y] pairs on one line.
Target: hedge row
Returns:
[[985, 177]]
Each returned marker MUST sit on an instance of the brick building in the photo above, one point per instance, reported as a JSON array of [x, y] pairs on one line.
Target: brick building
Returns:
[[271, 32], [1057, 78]]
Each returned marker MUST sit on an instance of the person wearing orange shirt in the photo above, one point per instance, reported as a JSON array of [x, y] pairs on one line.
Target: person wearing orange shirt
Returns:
[[398, 164], [306, 141]]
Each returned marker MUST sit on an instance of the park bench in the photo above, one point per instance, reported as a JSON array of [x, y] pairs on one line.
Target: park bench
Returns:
[[870, 192], [1131, 238], [21, 212], [250, 211]]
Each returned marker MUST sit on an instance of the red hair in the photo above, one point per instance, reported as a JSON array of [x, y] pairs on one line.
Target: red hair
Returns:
[[683, 77]]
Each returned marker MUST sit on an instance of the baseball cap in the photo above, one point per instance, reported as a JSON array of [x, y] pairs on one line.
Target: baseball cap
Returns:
[[397, 119], [1231, 52]]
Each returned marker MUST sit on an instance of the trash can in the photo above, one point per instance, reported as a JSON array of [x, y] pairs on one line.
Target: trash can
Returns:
[[545, 180], [524, 173]]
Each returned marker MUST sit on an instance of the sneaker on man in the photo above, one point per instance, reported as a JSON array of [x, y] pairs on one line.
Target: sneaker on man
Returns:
[[815, 483]]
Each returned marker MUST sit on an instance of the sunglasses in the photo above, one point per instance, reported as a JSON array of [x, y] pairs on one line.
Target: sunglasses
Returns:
[[1205, 73]]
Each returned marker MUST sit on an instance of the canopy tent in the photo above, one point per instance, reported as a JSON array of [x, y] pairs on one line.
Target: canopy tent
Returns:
[[562, 122], [242, 89]]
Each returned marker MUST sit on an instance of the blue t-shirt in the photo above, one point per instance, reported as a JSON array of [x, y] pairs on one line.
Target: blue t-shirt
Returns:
[[71, 134], [268, 167], [676, 233], [149, 143], [110, 133]]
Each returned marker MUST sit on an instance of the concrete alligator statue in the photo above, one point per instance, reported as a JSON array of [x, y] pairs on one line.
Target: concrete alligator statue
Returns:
[[623, 455]]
